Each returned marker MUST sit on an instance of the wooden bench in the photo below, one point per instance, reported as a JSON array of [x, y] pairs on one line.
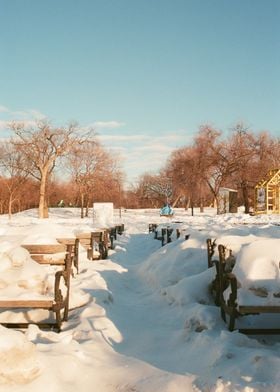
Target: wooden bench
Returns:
[[152, 227], [220, 282], [230, 307], [93, 241], [74, 249], [109, 235], [56, 255], [61, 254], [120, 228], [179, 233], [59, 305], [164, 236], [211, 246], [166, 233]]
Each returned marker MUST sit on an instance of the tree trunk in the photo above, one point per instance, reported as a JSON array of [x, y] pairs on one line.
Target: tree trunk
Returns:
[[187, 206], [201, 200], [46, 209], [201, 205], [43, 208], [10, 206], [82, 205], [245, 196], [176, 201]]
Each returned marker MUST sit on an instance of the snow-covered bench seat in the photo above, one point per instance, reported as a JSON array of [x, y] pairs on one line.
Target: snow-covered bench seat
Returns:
[[234, 310], [252, 287], [52, 254], [163, 234], [58, 305], [60, 254]]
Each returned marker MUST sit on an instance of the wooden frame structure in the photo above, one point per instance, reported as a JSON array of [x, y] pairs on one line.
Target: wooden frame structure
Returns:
[[267, 194]]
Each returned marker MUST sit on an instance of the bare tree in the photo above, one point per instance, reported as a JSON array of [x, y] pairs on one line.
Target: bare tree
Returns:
[[41, 147], [14, 175], [94, 172], [254, 156], [157, 189], [185, 168], [216, 163]]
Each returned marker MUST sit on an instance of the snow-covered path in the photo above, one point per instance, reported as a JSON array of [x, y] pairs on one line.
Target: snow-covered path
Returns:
[[145, 320]]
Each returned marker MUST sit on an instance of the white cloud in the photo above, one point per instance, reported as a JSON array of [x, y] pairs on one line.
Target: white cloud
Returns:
[[4, 124], [156, 147], [108, 124], [28, 117], [26, 114], [143, 152], [168, 139], [3, 109], [123, 138], [36, 114]]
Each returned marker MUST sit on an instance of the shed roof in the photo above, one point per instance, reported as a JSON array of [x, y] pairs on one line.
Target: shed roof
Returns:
[[272, 178]]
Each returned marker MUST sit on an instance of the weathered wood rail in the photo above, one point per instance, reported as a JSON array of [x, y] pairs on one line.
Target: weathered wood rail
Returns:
[[230, 309], [94, 244]]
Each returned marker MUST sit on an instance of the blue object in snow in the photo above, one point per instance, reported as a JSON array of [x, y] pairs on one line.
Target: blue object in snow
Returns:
[[166, 210]]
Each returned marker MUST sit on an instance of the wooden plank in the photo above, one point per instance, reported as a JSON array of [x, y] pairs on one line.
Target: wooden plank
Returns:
[[45, 248], [85, 243], [67, 241], [84, 240], [48, 326], [258, 309], [21, 303], [43, 259], [83, 235], [260, 331], [97, 236]]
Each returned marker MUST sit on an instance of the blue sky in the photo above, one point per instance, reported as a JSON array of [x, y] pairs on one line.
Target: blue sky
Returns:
[[145, 73]]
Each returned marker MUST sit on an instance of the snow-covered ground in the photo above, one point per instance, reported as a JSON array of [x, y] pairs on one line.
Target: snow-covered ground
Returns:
[[143, 319]]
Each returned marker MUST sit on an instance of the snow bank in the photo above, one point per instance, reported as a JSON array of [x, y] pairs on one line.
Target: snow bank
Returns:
[[257, 271], [20, 276], [19, 362], [144, 316], [171, 263]]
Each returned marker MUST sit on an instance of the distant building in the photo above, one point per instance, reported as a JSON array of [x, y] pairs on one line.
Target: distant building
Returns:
[[227, 201], [267, 194]]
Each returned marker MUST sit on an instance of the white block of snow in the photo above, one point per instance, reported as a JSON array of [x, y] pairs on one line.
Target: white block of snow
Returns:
[[103, 214]]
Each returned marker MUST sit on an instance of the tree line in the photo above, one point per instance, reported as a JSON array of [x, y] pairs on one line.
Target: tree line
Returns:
[[43, 165], [193, 175]]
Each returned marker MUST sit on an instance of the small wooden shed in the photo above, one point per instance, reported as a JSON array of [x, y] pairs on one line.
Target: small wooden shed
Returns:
[[267, 194], [227, 201]]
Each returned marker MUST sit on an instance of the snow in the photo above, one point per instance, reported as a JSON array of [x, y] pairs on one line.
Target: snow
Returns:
[[142, 320]]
